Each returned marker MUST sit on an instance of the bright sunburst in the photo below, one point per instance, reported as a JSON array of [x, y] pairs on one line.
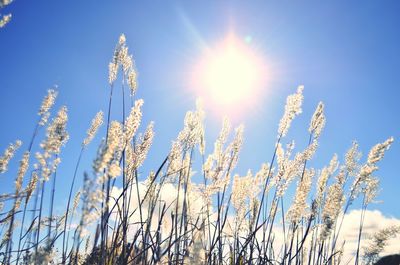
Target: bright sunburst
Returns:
[[230, 75]]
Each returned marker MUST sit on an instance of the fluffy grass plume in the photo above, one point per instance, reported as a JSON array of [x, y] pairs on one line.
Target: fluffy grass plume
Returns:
[[117, 217]]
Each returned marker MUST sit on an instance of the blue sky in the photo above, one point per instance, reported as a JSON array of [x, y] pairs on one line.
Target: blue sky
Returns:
[[346, 54]]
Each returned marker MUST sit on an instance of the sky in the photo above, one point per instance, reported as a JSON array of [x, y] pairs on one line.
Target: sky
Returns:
[[345, 54]]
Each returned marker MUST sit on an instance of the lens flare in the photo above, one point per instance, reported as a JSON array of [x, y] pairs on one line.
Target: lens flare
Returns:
[[230, 76]]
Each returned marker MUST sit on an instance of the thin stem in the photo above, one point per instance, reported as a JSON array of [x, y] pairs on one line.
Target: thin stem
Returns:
[[68, 204]]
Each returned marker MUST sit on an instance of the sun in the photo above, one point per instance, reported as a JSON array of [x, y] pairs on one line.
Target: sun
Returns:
[[229, 76]]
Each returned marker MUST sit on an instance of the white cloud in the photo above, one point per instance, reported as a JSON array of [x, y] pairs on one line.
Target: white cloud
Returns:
[[373, 222]]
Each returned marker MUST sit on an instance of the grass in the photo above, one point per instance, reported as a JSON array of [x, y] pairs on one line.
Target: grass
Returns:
[[115, 218]]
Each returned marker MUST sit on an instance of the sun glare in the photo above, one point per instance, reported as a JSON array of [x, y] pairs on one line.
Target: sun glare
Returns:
[[230, 75]]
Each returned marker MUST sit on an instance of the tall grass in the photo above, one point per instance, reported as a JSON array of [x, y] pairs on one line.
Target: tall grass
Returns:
[[118, 217]]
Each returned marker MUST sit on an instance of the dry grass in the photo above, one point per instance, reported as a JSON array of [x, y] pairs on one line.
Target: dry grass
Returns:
[[167, 219]]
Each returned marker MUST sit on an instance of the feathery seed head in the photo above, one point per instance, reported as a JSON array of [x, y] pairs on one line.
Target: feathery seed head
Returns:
[[132, 80], [371, 189], [91, 132], [76, 201], [122, 58], [299, 207], [378, 151], [111, 150], [143, 147], [32, 185], [292, 109], [4, 3], [47, 103], [309, 152], [193, 131], [112, 72], [317, 121], [132, 122], [56, 135], [364, 181], [237, 145], [332, 207], [174, 159], [4, 20], [325, 174], [352, 157], [23, 167], [122, 39], [8, 154], [244, 190], [114, 170]]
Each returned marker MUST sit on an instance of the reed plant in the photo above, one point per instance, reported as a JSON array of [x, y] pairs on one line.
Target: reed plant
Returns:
[[120, 217]]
